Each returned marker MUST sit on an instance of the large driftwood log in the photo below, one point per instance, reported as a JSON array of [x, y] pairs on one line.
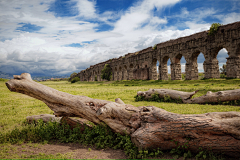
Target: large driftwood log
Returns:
[[210, 97], [149, 127]]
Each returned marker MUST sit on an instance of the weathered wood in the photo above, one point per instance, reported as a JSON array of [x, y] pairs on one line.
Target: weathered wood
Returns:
[[173, 94], [221, 96], [45, 117], [210, 97], [149, 127]]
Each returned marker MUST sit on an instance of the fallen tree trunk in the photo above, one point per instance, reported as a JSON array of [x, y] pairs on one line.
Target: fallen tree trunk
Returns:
[[162, 93], [210, 97], [149, 127]]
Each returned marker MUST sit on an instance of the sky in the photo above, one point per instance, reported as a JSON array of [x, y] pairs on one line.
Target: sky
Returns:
[[59, 37]]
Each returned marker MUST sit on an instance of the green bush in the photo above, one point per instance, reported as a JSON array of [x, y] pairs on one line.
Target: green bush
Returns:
[[156, 98], [75, 79], [101, 136], [106, 72], [154, 47], [214, 28], [223, 76]]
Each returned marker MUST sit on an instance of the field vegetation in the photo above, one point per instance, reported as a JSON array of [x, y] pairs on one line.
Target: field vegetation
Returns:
[[15, 107]]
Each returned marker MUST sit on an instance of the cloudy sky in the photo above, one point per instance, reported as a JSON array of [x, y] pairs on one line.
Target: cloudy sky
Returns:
[[58, 37]]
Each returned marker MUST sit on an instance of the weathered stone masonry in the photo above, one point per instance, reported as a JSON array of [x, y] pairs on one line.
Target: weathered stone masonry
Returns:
[[142, 64]]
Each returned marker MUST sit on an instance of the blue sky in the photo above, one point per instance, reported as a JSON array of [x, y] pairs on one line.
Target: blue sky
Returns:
[[57, 37]]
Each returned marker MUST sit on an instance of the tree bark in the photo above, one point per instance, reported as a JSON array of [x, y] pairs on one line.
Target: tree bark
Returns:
[[173, 94], [149, 127], [210, 97]]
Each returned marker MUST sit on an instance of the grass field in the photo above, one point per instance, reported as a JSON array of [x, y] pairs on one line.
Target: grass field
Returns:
[[15, 107]]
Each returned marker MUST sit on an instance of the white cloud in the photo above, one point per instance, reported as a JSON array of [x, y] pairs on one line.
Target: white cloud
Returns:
[[86, 8], [229, 18]]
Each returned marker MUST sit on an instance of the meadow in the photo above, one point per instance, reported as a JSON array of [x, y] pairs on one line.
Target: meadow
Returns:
[[15, 107]]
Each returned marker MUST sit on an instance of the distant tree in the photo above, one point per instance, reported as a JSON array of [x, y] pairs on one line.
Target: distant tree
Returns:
[[73, 74], [213, 29], [223, 69], [106, 72], [96, 78]]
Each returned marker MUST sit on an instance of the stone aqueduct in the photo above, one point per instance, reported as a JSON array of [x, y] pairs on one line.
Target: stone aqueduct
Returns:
[[142, 64]]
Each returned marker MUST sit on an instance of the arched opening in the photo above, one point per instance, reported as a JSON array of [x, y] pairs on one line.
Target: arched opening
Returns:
[[199, 65], [222, 62], [194, 67], [183, 66], [211, 67], [169, 68]]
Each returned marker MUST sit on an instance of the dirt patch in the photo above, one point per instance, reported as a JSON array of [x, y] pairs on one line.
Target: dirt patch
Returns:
[[66, 151], [69, 150]]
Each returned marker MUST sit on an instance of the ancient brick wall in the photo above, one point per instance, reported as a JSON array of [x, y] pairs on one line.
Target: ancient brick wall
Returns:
[[142, 64]]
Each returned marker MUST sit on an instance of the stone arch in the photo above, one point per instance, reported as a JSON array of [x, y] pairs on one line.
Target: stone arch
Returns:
[[89, 76], [130, 72], [125, 72], [98, 75], [211, 64], [120, 74], [191, 67], [115, 74], [163, 69], [153, 71], [176, 71]]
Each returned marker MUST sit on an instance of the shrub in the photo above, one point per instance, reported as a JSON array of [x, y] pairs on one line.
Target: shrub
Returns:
[[75, 79], [96, 78], [72, 76], [106, 72], [223, 76], [214, 28], [154, 47]]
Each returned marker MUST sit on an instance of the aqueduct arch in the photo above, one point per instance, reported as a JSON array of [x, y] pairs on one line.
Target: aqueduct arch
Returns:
[[142, 64], [163, 70]]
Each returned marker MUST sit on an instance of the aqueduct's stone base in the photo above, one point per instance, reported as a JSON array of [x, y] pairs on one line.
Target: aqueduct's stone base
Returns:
[[142, 64]]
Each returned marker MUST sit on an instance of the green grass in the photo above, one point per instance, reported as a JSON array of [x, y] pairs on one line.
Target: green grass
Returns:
[[15, 107]]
